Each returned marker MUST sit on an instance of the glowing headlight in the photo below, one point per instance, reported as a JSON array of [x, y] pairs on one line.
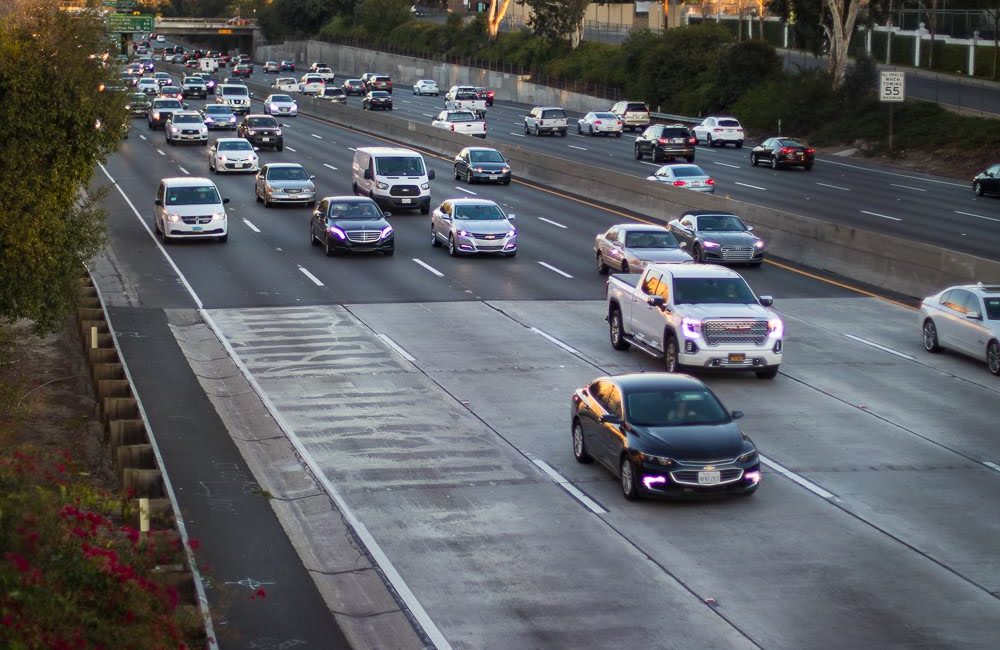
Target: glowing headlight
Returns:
[[274, 107], [173, 218], [511, 232], [759, 243], [277, 132], [691, 327], [464, 233], [776, 327], [222, 159], [156, 115], [385, 232], [711, 244], [219, 216]]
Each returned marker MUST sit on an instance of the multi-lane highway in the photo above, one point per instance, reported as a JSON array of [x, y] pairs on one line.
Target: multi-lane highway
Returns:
[[859, 193], [433, 392]]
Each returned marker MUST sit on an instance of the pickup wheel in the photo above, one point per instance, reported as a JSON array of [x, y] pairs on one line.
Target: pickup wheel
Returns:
[[616, 331], [670, 353], [768, 373], [579, 446]]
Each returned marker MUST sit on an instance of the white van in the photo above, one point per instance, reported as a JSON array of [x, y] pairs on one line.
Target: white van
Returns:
[[396, 178], [235, 96], [208, 65], [190, 208]]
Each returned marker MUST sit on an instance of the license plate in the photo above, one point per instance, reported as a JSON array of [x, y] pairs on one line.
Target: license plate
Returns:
[[737, 358], [708, 478], [493, 177], [407, 200], [265, 139], [196, 228]]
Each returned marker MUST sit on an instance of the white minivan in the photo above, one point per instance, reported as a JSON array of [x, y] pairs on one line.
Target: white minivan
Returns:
[[190, 208], [393, 177]]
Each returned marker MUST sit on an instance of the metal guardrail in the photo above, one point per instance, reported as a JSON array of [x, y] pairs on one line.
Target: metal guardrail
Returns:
[[667, 117]]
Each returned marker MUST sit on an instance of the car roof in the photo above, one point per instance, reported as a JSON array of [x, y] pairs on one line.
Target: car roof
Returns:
[[348, 198], [699, 213], [551, 108], [187, 181], [283, 164], [180, 113], [464, 201], [655, 381], [220, 140], [979, 288], [482, 149], [642, 227], [389, 151], [680, 270]]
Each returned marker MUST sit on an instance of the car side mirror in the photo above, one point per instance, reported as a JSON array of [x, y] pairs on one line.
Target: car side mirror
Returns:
[[225, 200], [511, 217], [158, 202], [974, 315], [312, 178], [655, 301], [445, 217], [368, 174], [610, 419], [430, 175], [737, 415], [683, 244], [749, 228], [766, 301], [386, 214]]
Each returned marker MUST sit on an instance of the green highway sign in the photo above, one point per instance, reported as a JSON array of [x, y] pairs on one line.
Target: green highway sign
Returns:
[[124, 5], [125, 23]]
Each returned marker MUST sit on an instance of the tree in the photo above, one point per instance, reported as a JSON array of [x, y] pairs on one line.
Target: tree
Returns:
[[743, 66], [557, 19], [498, 9], [51, 74], [843, 16], [382, 16]]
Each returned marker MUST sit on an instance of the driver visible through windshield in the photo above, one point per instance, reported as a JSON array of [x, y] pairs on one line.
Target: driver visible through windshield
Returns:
[[286, 174], [671, 408], [720, 223], [650, 240], [712, 291], [479, 213], [399, 166]]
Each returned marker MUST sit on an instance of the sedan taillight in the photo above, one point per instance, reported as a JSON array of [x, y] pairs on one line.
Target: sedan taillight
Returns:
[[597, 122], [810, 150], [662, 141], [692, 140], [787, 150], [680, 183], [710, 181]]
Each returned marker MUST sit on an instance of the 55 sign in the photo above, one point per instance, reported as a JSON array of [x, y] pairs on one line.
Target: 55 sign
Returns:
[[892, 86]]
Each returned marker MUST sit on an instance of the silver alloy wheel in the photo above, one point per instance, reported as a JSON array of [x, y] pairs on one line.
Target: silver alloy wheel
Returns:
[[774, 162], [930, 336], [578, 441], [753, 159], [602, 268], [993, 357], [628, 479], [978, 188], [451, 246]]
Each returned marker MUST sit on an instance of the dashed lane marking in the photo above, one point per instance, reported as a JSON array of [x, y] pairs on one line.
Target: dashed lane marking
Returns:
[[251, 226], [564, 483], [880, 347], [305, 272], [554, 223], [756, 187], [836, 187], [552, 268], [884, 216], [428, 267]]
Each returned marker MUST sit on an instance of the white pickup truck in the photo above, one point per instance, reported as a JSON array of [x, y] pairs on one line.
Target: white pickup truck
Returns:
[[467, 101], [696, 316], [462, 121]]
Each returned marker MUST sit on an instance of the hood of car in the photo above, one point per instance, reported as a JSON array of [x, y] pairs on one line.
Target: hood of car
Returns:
[[491, 227], [305, 184], [660, 255], [373, 225], [194, 210], [727, 310], [241, 155], [705, 442], [743, 238]]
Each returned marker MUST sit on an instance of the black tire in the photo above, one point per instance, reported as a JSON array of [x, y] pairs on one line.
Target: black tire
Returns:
[[390, 252], [977, 187], [580, 445], [326, 246], [256, 195], [458, 176], [562, 133], [616, 332], [708, 140], [452, 249], [435, 242], [312, 236], [425, 209], [624, 267], [280, 147], [526, 130], [768, 373], [698, 254], [579, 131], [618, 135], [638, 153], [670, 354], [628, 479], [267, 204], [510, 254], [754, 160], [469, 178], [993, 357], [774, 162], [602, 268], [929, 336]]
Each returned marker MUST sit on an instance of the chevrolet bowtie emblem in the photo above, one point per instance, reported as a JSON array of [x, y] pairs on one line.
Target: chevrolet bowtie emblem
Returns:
[[709, 468]]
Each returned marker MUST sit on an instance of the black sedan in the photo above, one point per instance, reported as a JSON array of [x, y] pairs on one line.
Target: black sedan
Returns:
[[262, 131], [354, 87], [783, 152], [662, 141], [475, 164], [987, 182], [663, 435], [351, 223], [379, 99]]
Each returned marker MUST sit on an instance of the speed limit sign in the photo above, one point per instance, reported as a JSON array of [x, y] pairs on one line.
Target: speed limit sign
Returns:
[[892, 86]]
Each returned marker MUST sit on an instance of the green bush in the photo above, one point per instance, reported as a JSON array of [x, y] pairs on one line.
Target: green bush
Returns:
[[743, 66], [381, 16], [802, 102]]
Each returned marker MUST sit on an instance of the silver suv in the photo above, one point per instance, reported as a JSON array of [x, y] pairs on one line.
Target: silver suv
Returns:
[[965, 319], [546, 119], [471, 226]]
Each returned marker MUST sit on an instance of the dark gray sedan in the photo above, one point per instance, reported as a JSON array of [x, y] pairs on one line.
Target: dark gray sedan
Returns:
[[718, 237], [630, 247], [475, 164]]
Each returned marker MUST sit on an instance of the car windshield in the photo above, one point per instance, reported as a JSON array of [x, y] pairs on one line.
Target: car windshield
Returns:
[[672, 408], [186, 119], [992, 305], [684, 171], [651, 239], [428, 82], [201, 195], [790, 143], [281, 98], [712, 291], [167, 103], [379, 93], [235, 145], [287, 174], [479, 212], [170, 90], [399, 166], [262, 122], [353, 82], [553, 114], [147, 82], [333, 92], [728, 123], [314, 80], [720, 223], [605, 116], [486, 155], [218, 109], [466, 96], [355, 210], [138, 98], [235, 90], [461, 117], [675, 133], [636, 108]]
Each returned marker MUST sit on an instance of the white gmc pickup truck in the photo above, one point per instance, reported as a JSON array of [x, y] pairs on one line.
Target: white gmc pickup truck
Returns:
[[697, 316]]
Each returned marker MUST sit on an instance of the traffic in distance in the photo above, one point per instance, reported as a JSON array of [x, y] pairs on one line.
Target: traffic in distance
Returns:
[[675, 294]]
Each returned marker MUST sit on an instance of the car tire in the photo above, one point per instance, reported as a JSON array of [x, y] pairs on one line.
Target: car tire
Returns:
[[739, 144], [526, 130], [280, 147], [768, 373], [671, 354], [616, 331], [602, 268], [698, 254], [390, 252], [628, 479], [435, 242], [312, 236], [469, 178], [808, 168], [256, 195], [511, 254], [452, 249], [993, 357], [223, 239], [753, 160], [638, 153], [458, 176], [977, 188], [774, 163], [708, 140], [579, 131], [326, 246], [929, 336], [425, 209], [580, 445], [618, 135], [267, 204], [624, 267], [690, 159]]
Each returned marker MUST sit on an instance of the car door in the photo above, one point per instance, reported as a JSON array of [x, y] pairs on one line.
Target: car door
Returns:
[[462, 162], [683, 229], [441, 221], [764, 150], [612, 436], [644, 139], [951, 322], [260, 180], [319, 218], [159, 206], [590, 419], [992, 181], [647, 320], [973, 332], [611, 248]]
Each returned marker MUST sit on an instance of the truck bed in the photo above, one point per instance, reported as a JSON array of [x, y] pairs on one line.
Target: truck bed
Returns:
[[630, 279]]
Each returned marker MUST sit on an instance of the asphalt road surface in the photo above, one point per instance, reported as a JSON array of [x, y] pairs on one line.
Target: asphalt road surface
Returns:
[[434, 393]]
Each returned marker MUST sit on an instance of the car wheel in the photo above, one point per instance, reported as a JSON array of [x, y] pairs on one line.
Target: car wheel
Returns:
[[670, 354], [993, 357], [708, 140], [774, 162], [526, 131], [579, 445], [602, 268], [312, 236], [767, 373], [624, 267], [739, 144], [452, 249], [256, 195], [638, 154], [469, 178], [618, 135], [977, 187], [579, 130], [698, 254], [281, 147], [616, 331], [326, 246], [510, 254], [930, 336], [690, 159], [435, 242], [267, 203], [628, 480], [458, 176], [753, 160]]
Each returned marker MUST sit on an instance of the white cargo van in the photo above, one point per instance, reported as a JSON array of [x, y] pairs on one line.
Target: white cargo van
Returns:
[[393, 177], [208, 65]]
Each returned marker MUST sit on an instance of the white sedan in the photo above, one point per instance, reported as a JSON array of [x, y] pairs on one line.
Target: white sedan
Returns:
[[720, 131], [426, 87], [233, 155], [286, 84], [600, 123], [686, 176], [281, 105]]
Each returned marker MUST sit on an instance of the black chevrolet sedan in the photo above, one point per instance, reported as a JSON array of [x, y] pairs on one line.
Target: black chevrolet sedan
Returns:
[[474, 164], [663, 435], [987, 181], [351, 223]]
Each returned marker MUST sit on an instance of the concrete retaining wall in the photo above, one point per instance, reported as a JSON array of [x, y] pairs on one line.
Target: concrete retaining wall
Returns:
[[900, 265]]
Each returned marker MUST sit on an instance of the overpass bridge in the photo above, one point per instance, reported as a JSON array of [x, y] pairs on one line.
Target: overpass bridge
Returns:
[[214, 33]]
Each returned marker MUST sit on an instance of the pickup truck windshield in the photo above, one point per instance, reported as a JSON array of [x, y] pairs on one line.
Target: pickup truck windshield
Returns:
[[712, 291], [650, 240], [671, 408]]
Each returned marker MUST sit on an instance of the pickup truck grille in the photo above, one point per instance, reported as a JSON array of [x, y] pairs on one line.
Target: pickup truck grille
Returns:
[[737, 253], [735, 331]]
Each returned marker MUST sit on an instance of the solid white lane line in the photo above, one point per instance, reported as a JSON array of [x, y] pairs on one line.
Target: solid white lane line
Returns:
[[160, 151], [880, 347], [573, 146], [330, 166], [552, 268], [884, 216], [756, 187], [397, 347], [804, 482], [312, 277], [992, 466], [352, 148], [554, 223], [564, 483], [978, 216], [183, 170], [727, 165], [908, 187], [462, 189], [880, 171], [428, 267], [251, 226], [142, 137], [289, 148], [427, 115], [836, 187], [569, 349], [318, 137], [657, 165], [520, 135], [406, 101]]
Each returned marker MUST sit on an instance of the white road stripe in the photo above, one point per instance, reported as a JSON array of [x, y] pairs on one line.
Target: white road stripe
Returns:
[[427, 115], [908, 187], [727, 165], [160, 151], [552, 268], [657, 165], [884, 216], [318, 137], [183, 170], [406, 101], [312, 277], [569, 349], [879, 347], [330, 166], [756, 187], [397, 347], [562, 482], [251, 226], [573, 146], [836, 187], [992, 466], [462, 189], [428, 267], [352, 148], [804, 482], [142, 137], [880, 171], [554, 223], [290, 149], [520, 135], [978, 216]]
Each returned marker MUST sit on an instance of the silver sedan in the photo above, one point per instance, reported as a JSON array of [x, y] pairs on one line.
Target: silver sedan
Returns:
[[284, 183], [600, 124], [686, 176], [281, 105], [630, 247], [965, 319]]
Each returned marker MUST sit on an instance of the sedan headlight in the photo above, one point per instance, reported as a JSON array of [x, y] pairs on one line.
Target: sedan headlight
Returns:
[[511, 232], [222, 159], [156, 115], [658, 460], [173, 218], [464, 233], [425, 186], [759, 243], [274, 107], [747, 456], [277, 132], [691, 327], [385, 232], [382, 186], [710, 244]]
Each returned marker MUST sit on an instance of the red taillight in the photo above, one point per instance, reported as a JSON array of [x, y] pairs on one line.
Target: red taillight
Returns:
[[619, 122], [717, 129], [680, 183], [662, 141], [489, 93], [710, 181], [787, 150], [810, 150], [692, 140], [452, 127], [597, 122]]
